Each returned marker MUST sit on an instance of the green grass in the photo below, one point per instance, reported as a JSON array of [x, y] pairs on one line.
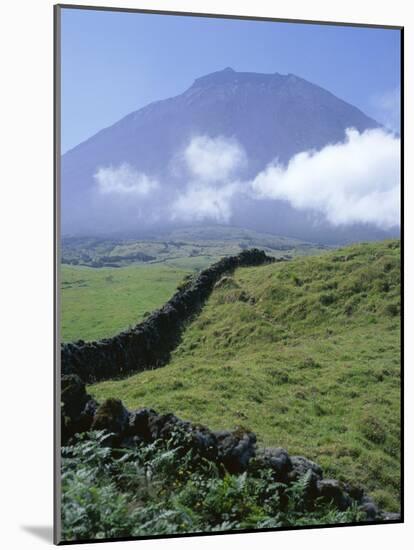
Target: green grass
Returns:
[[306, 354], [98, 303], [105, 290]]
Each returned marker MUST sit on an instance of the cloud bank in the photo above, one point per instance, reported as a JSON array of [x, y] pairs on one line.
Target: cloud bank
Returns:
[[205, 202], [212, 165], [124, 180], [355, 181], [214, 160]]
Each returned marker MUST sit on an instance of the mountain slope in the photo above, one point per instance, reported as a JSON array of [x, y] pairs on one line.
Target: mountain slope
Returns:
[[270, 115], [306, 354]]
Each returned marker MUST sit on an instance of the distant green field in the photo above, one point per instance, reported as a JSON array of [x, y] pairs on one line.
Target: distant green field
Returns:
[[108, 284], [196, 247], [306, 354], [98, 303]]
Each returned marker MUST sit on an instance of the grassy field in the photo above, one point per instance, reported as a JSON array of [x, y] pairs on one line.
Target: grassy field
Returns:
[[108, 284], [197, 247], [98, 303], [306, 354]]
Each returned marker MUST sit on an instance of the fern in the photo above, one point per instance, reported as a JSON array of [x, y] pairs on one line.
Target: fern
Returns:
[[155, 489]]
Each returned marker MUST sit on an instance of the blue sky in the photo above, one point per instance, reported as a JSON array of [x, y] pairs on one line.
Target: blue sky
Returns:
[[116, 62]]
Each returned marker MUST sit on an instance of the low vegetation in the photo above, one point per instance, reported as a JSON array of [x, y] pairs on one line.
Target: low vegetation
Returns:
[[158, 488], [306, 354]]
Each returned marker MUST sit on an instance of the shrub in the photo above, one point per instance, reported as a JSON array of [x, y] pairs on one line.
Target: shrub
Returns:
[[159, 489]]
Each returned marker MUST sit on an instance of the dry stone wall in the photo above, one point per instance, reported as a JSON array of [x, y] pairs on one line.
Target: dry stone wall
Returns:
[[149, 344]]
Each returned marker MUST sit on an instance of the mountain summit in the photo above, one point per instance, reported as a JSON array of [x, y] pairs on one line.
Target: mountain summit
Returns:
[[269, 115]]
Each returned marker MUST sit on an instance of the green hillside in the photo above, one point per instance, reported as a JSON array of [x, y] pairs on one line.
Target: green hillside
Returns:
[[109, 284], [306, 354]]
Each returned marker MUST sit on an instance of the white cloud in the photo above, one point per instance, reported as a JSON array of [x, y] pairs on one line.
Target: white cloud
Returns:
[[214, 160], [124, 180], [357, 181], [202, 202], [212, 164]]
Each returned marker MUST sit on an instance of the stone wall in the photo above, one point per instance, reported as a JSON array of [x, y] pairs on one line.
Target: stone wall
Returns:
[[149, 344], [233, 451]]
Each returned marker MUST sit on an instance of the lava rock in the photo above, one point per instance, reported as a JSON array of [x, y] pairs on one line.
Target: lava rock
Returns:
[[138, 424], [73, 395], [331, 490], [184, 435], [354, 491], [86, 417], [77, 407], [235, 449], [205, 442], [112, 416], [149, 344], [162, 426], [300, 465], [369, 507], [275, 459]]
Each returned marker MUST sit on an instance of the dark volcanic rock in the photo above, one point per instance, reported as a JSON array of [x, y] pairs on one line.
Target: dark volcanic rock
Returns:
[[332, 491], [354, 491], [184, 434], [235, 449], [149, 344], [139, 423], [300, 465], [111, 416], [312, 472], [162, 426], [275, 459], [77, 407], [73, 394], [369, 507]]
